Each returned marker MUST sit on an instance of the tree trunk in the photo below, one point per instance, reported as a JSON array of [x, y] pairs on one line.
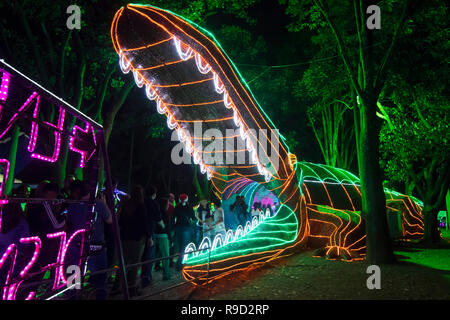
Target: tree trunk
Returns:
[[61, 164], [101, 173], [111, 116], [109, 123], [12, 159], [379, 248], [79, 173], [356, 126], [447, 200], [431, 227]]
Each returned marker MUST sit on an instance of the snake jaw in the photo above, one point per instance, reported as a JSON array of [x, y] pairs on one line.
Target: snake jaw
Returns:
[[264, 238]]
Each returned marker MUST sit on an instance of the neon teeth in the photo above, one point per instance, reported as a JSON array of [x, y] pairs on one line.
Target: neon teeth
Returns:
[[218, 84], [254, 157], [202, 66], [227, 101], [125, 66], [239, 232], [250, 147], [205, 244], [171, 123], [242, 133], [188, 147], [185, 52], [267, 175], [160, 106], [254, 222], [261, 217], [236, 119], [138, 79], [196, 158], [150, 92], [181, 135], [218, 241], [247, 227], [229, 237], [185, 55], [260, 168], [190, 248]]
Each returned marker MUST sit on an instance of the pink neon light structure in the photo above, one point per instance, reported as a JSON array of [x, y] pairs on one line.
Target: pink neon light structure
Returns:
[[63, 254], [62, 242], [83, 153], [4, 162], [8, 292], [57, 146], [15, 116], [18, 273], [34, 128], [10, 289], [37, 247], [4, 87]]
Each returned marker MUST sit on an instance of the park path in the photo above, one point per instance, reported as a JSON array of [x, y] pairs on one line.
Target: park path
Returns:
[[419, 274]]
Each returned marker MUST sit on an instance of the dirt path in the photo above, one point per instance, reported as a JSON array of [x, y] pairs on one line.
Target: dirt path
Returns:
[[419, 274]]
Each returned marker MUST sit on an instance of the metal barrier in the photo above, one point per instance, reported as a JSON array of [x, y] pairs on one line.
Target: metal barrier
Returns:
[[108, 270]]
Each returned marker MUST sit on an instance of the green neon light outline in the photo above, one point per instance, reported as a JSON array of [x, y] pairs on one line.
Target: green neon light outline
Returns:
[[356, 181], [310, 172], [215, 256]]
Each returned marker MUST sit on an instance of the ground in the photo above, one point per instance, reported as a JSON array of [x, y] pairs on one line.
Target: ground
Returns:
[[420, 273]]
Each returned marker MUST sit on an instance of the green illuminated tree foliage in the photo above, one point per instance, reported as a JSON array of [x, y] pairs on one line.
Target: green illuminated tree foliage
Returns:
[[366, 56], [416, 134], [330, 112], [416, 150]]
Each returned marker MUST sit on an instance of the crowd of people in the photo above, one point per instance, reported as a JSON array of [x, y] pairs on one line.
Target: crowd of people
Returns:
[[21, 219], [163, 228], [151, 227]]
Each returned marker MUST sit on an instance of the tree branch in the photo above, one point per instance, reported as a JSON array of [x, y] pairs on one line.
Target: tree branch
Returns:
[[63, 62], [81, 71], [109, 121], [101, 94], [379, 78], [344, 56], [50, 48], [359, 30], [34, 46]]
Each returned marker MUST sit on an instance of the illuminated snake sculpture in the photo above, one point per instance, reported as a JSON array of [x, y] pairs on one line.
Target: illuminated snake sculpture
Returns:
[[193, 82]]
